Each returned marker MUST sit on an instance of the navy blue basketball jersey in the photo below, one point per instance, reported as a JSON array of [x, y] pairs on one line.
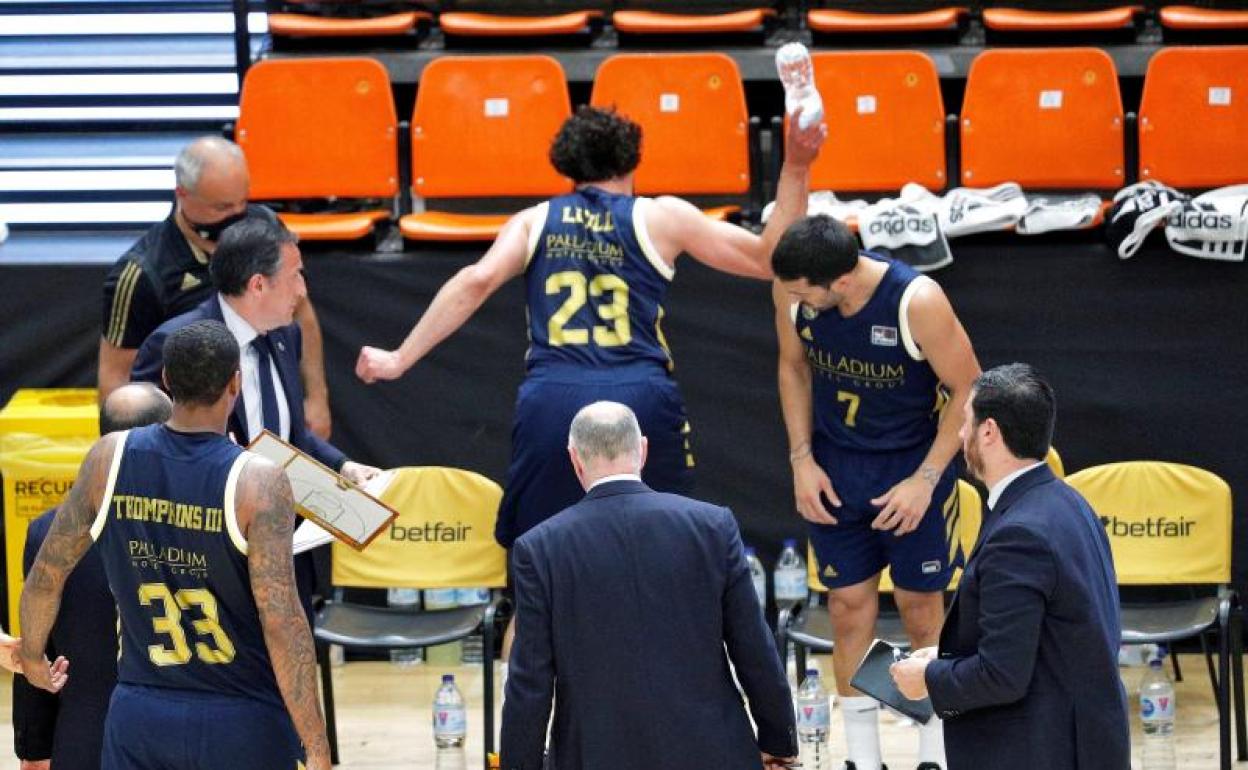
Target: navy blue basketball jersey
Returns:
[[871, 389], [177, 566], [595, 284]]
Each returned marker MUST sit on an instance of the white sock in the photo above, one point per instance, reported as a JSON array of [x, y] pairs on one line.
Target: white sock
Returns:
[[862, 731], [932, 742]]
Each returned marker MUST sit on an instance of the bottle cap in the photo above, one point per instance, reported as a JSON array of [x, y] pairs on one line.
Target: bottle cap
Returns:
[[790, 542], [448, 678], [749, 551], [812, 672]]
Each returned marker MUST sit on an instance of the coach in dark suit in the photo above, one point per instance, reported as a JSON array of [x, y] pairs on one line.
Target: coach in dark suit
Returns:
[[258, 273], [1026, 674], [629, 607], [65, 731]]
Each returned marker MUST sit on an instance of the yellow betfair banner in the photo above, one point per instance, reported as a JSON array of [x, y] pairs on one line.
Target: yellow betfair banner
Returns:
[[1167, 523], [44, 434], [442, 538]]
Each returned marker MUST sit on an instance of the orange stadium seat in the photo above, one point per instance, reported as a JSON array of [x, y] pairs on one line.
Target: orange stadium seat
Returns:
[[886, 122], [695, 127], [1045, 118], [467, 24], [292, 21], [640, 22], [1192, 18], [481, 128], [837, 21], [1194, 117], [320, 128], [1028, 20]]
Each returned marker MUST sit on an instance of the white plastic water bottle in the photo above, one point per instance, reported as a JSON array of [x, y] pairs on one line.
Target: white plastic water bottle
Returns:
[[1157, 715], [789, 578], [450, 722], [797, 73], [474, 646], [758, 576], [408, 600], [812, 723]]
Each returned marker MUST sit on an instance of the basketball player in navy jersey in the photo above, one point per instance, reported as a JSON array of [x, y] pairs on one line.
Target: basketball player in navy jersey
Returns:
[[874, 370], [596, 264], [217, 666]]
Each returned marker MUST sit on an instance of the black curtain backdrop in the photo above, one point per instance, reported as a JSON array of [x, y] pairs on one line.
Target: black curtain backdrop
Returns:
[[1147, 356]]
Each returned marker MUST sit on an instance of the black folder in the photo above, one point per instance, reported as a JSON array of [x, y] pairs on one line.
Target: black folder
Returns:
[[873, 678]]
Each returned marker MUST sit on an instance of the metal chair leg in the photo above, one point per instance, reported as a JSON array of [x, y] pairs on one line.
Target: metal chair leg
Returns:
[[1237, 679], [1224, 689], [327, 694]]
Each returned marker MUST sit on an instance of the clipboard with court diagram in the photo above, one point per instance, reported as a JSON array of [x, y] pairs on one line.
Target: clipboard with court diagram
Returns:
[[326, 498]]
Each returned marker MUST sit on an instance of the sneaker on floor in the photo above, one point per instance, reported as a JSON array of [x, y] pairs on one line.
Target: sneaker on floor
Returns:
[[851, 766], [928, 766]]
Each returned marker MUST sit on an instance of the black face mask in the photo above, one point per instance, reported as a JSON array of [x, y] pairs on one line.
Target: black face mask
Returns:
[[212, 231]]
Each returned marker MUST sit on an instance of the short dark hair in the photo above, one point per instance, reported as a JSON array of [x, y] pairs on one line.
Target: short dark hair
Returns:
[[200, 359], [134, 405], [249, 247], [1022, 404], [596, 144], [819, 249]]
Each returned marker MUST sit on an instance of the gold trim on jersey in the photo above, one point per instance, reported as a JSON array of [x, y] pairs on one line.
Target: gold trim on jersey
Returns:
[[231, 516], [123, 293], [106, 502], [535, 233], [640, 206]]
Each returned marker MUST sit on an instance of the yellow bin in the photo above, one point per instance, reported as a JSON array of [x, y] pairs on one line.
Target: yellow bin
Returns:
[[44, 434]]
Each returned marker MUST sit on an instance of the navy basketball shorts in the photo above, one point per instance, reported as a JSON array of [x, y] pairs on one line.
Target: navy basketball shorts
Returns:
[[154, 728], [540, 480], [851, 551]]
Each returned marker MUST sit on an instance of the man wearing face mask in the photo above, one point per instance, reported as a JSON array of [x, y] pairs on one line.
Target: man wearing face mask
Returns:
[[165, 273]]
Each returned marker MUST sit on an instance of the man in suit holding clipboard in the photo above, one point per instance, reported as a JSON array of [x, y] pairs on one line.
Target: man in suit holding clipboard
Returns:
[[1026, 674], [258, 272]]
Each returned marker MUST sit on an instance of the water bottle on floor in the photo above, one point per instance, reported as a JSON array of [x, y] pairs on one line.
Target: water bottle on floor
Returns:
[[1157, 715], [474, 647], [758, 575], [408, 600], [797, 74], [450, 723], [812, 723], [789, 578]]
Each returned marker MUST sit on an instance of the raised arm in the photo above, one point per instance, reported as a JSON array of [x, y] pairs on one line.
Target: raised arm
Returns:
[[68, 539], [456, 301], [266, 515], [678, 226]]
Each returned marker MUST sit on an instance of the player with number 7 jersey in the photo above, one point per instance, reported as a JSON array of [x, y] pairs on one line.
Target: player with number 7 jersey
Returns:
[[217, 666]]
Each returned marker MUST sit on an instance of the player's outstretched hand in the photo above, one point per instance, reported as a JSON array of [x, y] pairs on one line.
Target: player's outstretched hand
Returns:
[[811, 486], [10, 652], [801, 145], [376, 364], [903, 506]]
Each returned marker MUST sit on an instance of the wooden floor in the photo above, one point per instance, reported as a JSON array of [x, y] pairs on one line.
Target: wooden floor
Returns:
[[384, 719]]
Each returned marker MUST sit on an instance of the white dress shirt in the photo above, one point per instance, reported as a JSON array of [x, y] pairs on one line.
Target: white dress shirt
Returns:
[[998, 489], [615, 477], [250, 365]]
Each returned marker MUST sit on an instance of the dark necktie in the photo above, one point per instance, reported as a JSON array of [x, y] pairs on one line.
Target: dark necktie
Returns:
[[268, 395]]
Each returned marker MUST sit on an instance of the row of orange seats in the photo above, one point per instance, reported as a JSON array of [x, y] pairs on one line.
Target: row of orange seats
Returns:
[[1044, 118], [298, 21]]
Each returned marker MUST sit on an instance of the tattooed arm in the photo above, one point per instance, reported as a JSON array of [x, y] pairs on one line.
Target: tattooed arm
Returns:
[[68, 539], [265, 514]]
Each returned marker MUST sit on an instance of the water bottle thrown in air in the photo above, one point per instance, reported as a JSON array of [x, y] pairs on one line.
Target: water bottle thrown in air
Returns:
[[450, 722], [789, 578], [757, 575], [797, 73], [812, 723], [1157, 715], [408, 600]]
